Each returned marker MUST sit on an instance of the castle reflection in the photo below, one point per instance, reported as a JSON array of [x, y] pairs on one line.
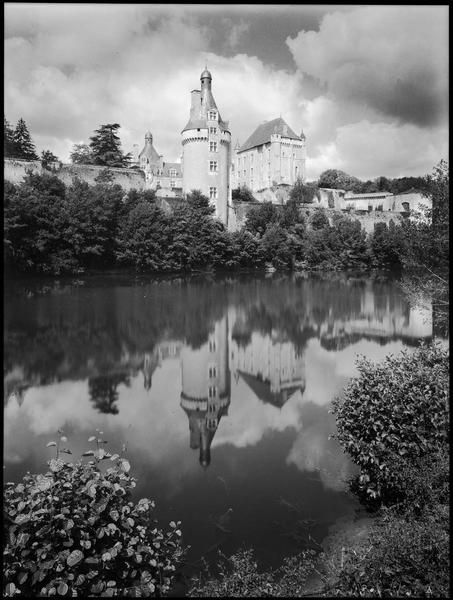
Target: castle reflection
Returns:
[[254, 332]]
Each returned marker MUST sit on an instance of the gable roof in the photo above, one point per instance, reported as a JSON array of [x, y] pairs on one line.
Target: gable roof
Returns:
[[262, 134]]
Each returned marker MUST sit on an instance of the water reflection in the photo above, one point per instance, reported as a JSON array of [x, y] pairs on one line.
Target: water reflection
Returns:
[[221, 389]]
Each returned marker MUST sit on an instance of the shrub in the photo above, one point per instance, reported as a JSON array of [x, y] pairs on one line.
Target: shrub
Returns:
[[406, 550], [74, 531], [398, 408], [240, 578], [319, 219]]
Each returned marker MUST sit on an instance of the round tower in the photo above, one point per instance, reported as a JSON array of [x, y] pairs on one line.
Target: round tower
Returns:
[[206, 149]]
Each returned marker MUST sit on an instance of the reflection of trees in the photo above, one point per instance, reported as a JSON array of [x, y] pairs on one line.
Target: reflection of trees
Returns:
[[103, 391], [109, 324]]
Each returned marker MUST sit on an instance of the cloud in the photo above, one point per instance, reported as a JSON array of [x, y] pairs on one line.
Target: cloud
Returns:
[[391, 58], [368, 89]]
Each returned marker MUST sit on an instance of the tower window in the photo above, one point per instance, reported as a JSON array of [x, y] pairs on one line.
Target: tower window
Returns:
[[172, 184], [213, 146], [213, 130], [213, 166], [212, 196], [212, 371], [172, 172], [212, 391], [212, 115]]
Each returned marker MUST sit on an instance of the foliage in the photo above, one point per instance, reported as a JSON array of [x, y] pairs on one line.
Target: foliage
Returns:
[[406, 549], [386, 245], [338, 180], [81, 154], [276, 247], [47, 157], [105, 146], [260, 217], [22, 142], [239, 578], [243, 194], [302, 193], [319, 219], [75, 531], [398, 408], [9, 146]]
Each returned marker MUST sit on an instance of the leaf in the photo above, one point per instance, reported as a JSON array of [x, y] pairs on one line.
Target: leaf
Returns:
[[88, 453], [125, 465], [114, 456], [101, 453], [74, 558], [106, 556], [10, 589], [92, 438], [56, 465], [62, 589], [66, 450], [51, 444], [64, 438], [22, 578]]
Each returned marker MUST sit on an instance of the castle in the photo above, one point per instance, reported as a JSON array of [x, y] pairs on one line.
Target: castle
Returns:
[[273, 154]]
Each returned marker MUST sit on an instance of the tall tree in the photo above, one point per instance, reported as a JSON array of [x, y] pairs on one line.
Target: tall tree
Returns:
[[9, 147], [105, 147], [81, 155], [24, 144]]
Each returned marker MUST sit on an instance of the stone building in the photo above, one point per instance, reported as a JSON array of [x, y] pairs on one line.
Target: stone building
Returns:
[[164, 177], [206, 147], [272, 155]]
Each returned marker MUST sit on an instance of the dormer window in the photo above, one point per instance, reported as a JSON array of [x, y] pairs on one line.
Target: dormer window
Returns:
[[172, 172], [212, 115]]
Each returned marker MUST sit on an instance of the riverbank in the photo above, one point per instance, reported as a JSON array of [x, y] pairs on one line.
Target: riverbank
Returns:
[[401, 547]]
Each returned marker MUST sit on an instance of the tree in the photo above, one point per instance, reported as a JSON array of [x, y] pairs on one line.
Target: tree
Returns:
[[23, 142], [47, 157], [319, 219], [302, 193], [81, 155], [9, 146], [243, 194], [260, 217], [105, 147], [336, 179]]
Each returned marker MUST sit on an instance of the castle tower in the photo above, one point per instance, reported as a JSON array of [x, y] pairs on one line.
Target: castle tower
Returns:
[[205, 394], [206, 147], [148, 157]]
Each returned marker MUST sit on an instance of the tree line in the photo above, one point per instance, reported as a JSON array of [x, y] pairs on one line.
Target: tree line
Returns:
[[50, 227]]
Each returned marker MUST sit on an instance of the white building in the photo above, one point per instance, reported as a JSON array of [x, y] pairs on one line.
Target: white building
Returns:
[[272, 155]]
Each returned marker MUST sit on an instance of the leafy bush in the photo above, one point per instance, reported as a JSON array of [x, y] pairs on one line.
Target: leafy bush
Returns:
[[406, 549], [239, 578], [398, 408], [319, 219], [74, 531]]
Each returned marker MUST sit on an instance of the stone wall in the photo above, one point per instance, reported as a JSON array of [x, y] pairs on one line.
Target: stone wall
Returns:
[[239, 211], [16, 169]]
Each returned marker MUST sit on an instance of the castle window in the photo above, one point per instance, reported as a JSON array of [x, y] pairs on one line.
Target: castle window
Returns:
[[212, 115], [213, 196], [213, 130], [172, 184], [172, 172], [212, 391], [213, 166], [212, 347], [212, 371], [213, 146]]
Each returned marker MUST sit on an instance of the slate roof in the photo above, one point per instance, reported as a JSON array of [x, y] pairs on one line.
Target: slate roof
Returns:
[[351, 196], [262, 134], [150, 153]]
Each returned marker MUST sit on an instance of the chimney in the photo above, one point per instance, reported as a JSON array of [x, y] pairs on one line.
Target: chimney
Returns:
[[195, 96]]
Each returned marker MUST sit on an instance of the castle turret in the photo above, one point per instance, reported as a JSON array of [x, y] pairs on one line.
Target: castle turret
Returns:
[[206, 146]]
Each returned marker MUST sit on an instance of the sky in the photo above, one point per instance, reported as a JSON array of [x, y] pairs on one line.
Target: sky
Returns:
[[368, 85]]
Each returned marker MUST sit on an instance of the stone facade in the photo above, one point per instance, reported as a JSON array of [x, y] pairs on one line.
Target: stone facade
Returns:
[[206, 146], [272, 155]]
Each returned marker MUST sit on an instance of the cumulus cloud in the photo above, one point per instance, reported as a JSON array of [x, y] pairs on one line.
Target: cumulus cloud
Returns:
[[380, 72], [392, 58]]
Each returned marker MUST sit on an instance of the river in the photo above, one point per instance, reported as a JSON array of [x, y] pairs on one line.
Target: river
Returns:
[[220, 388]]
